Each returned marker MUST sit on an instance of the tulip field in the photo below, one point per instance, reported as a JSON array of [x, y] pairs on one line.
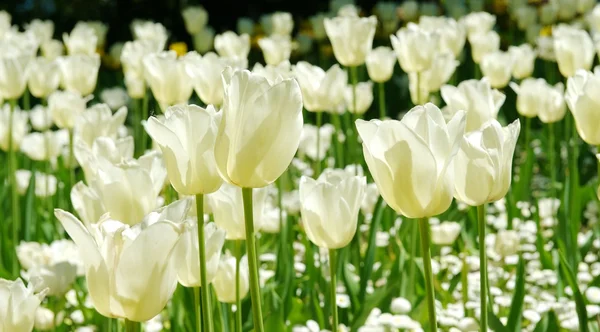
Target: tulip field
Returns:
[[413, 166]]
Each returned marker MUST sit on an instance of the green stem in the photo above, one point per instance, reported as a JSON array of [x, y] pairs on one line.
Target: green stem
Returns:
[[198, 309], [333, 292], [109, 324], [252, 260], [26, 100], [207, 318], [238, 300], [413, 256], [144, 136], [418, 88], [482, 268], [425, 240], [381, 94], [318, 161], [137, 125], [12, 164], [71, 164], [354, 80], [337, 124], [551, 159], [132, 326]]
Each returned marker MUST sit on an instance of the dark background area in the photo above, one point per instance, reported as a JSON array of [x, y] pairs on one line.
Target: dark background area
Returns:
[[223, 14]]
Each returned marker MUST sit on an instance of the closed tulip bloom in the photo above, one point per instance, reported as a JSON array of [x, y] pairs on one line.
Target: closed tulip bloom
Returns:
[[445, 234], [129, 270], [273, 74], [82, 40], [380, 64], [254, 154], [410, 159], [487, 155], [58, 278], [484, 43], [42, 146], [581, 97], [351, 38], [18, 306], [415, 48], [79, 73], [524, 61], [282, 23], [276, 48], [194, 18], [168, 80], [364, 97], [432, 79], [65, 107], [99, 121], [20, 127], [203, 40], [149, 31], [477, 98], [574, 50], [186, 137], [102, 149], [329, 207], [186, 253], [52, 49], [41, 29], [13, 71], [99, 28], [228, 210], [40, 118], [479, 23], [321, 90], [535, 97], [205, 72], [497, 67], [87, 203], [452, 35], [44, 77], [224, 281], [231, 45], [507, 243], [131, 58]]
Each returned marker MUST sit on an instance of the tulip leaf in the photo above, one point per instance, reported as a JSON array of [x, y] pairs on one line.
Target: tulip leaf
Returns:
[[516, 310], [30, 215], [369, 258], [375, 300], [547, 324], [571, 279], [545, 257]]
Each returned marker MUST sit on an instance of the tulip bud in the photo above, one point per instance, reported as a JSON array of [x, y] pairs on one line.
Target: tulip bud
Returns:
[[122, 262], [257, 155], [203, 40], [230, 45], [321, 91], [44, 319], [507, 243], [20, 128], [497, 67], [477, 98], [52, 49], [167, 78], [186, 137], [452, 35], [99, 121], [41, 29], [409, 10], [276, 48], [281, 23], [13, 66], [65, 107], [445, 234], [79, 73], [364, 97], [330, 208], [19, 305], [225, 281], [574, 50], [195, 19], [44, 77], [98, 28], [380, 64], [351, 38], [58, 278], [581, 99], [432, 79], [486, 154], [537, 97], [245, 25], [410, 165], [228, 210], [415, 48], [186, 253], [43, 146], [82, 40], [483, 43], [154, 33], [524, 61], [478, 23]]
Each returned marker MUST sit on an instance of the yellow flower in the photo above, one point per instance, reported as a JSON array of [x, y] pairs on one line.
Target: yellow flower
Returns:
[[180, 48]]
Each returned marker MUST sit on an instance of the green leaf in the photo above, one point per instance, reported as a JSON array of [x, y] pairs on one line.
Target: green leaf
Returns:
[[369, 259], [516, 310], [579, 301], [373, 301]]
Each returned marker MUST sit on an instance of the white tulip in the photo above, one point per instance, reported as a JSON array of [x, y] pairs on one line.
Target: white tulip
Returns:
[[167, 78], [321, 90], [20, 127], [351, 38], [497, 67], [224, 282], [478, 23], [276, 48], [44, 77], [79, 72], [308, 141], [99, 121], [195, 19], [149, 31], [203, 40], [65, 107], [380, 64], [445, 234], [18, 305], [82, 40], [230, 45], [103, 149], [483, 43], [415, 48], [535, 97], [364, 97], [507, 243], [574, 50], [524, 60]]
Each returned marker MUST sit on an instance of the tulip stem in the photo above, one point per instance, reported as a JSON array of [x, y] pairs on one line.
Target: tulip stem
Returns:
[[71, 164], [132, 326], [425, 244], [337, 124], [333, 292], [483, 321], [238, 300], [207, 320], [12, 164], [252, 260], [144, 136], [319, 121], [381, 94]]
